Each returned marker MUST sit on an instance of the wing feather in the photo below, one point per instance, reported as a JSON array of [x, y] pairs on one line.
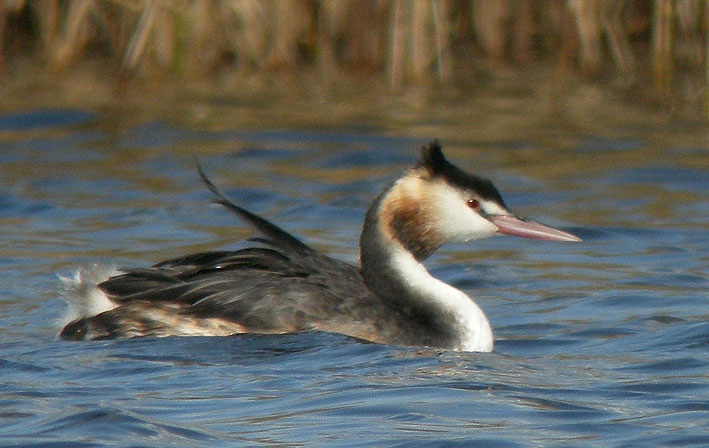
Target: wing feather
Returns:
[[267, 228]]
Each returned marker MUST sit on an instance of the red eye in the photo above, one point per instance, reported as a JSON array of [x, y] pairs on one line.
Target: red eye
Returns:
[[474, 204]]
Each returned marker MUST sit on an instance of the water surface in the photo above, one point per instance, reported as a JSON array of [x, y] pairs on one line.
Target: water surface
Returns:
[[601, 343]]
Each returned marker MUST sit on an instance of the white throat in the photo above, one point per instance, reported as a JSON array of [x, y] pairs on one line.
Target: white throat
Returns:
[[475, 331]]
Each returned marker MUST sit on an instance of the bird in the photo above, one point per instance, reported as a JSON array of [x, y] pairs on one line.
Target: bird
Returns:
[[278, 284]]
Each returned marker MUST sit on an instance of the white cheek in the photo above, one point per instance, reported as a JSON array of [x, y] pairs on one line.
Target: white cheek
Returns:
[[455, 221], [492, 208]]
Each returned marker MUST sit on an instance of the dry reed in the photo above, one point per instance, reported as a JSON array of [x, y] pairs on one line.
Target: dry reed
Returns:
[[409, 41]]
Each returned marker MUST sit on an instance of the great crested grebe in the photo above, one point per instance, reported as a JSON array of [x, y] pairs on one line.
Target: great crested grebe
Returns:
[[284, 286]]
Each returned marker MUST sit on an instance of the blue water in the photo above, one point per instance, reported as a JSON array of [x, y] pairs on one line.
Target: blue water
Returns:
[[600, 343]]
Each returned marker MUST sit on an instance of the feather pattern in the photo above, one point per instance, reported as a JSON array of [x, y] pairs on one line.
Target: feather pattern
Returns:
[[280, 284]]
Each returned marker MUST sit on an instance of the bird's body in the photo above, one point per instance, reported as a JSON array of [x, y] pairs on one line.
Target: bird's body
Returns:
[[283, 285]]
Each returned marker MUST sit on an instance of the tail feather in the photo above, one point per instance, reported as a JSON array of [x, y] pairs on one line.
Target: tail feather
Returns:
[[82, 294]]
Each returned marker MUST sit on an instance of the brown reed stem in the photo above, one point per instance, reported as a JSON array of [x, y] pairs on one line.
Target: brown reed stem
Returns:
[[396, 64], [662, 48], [139, 39], [440, 20]]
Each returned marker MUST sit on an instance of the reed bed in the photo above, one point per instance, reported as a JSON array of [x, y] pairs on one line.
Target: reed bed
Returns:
[[658, 43]]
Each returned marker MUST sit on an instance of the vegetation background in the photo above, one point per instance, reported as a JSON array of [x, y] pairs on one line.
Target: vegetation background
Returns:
[[654, 51]]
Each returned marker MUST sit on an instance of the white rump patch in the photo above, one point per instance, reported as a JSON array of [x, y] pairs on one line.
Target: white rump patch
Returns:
[[82, 294]]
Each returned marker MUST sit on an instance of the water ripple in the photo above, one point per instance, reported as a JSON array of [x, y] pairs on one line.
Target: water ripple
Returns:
[[603, 343]]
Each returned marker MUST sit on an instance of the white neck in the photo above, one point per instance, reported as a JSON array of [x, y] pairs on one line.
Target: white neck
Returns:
[[474, 328]]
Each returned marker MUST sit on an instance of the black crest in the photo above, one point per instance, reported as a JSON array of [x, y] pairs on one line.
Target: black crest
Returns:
[[435, 162], [432, 157]]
